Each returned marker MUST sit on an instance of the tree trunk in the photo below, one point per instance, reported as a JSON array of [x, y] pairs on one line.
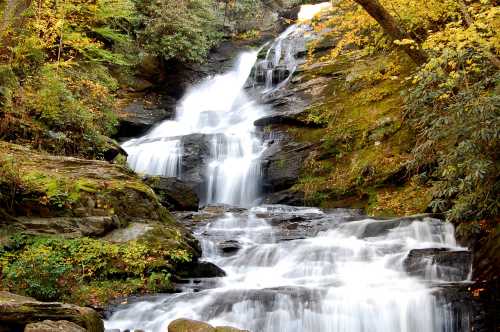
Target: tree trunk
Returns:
[[390, 26]]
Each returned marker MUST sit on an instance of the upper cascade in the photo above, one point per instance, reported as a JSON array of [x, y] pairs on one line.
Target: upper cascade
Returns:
[[224, 108]]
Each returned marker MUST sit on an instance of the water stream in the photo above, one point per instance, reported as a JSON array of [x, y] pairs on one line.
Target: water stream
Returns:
[[297, 269]]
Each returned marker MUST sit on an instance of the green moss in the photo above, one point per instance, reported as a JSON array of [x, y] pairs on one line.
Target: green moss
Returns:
[[366, 142]]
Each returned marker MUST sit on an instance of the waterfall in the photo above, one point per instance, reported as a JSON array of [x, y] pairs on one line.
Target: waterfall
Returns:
[[221, 108], [297, 269], [349, 277]]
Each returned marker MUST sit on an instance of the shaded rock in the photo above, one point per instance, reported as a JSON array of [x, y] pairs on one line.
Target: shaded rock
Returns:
[[200, 270], [381, 227], [288, 107], [174, 193], [135, 119], [70, 227], [54, 326], [281, 164], [440, 263], [229, 246], [287, 197], [195, 158], [113, 149], [18, 311]]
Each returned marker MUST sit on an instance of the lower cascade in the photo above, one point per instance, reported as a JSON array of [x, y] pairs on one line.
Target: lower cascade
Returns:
[[304, 269], [289, 269]]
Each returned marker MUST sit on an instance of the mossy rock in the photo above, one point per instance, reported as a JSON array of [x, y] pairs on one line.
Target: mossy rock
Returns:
[[18, 311], [189, 325]]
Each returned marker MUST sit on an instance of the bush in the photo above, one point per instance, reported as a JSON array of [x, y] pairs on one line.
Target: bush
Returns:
[[182, 29], [53, 268]]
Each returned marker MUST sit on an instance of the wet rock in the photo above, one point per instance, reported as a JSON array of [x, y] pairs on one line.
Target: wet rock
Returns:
[[228, 329], [448, 265], [54, 326], [189, 325], [196, 154], [136, 118], [174, 193], [281, 164], [229, 246], [287, 197], [18, 311], [287, 108], [381, 227], [200, 270]]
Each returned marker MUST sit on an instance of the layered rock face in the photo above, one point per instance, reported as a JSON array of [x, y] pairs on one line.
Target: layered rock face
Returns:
[[62, 204], [21, 312]]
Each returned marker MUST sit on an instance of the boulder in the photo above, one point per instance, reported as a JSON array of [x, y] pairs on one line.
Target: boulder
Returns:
[[189, 325], [174, 193], [282, 162], [113, 149], [200, 270], [17, 311], [88, 192], [441, 263], [54, 326], [229, 246]]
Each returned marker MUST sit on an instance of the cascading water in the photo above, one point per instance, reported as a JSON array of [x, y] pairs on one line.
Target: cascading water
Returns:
[[345, 276], [218, 107], [221, 108], [297, 269]]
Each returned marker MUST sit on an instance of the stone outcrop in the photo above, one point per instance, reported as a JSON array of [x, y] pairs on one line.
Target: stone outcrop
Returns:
[[70, 227], [174, 193], [137, 117], [199, 269], [196, 154], [287, 197], [18, 311], [75, 197], [54, 326], [456, 264], [189, 325], [282, 163]]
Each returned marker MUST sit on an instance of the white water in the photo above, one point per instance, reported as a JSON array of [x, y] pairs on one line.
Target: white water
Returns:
[[217, 106], [336, 281]]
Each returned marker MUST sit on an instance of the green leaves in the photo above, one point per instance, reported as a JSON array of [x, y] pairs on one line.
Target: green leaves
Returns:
[[49, 268], [456, 110], [182, 29]]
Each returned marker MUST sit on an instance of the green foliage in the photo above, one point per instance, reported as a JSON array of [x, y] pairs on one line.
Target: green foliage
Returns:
[[182, 29], [58, 59], [457, 105], [53, 268], [10, 183]]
